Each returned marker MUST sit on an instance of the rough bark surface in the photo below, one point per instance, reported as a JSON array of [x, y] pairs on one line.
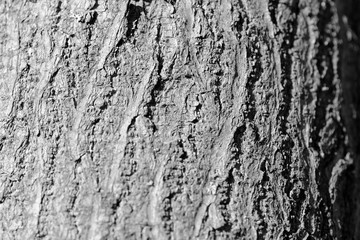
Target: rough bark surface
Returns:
[[179, 119]]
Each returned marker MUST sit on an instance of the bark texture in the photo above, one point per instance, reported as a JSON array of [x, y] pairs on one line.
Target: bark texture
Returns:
[[179, 119]]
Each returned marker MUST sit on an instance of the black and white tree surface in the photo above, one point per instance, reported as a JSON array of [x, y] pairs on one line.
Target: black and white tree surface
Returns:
[[179, 119]]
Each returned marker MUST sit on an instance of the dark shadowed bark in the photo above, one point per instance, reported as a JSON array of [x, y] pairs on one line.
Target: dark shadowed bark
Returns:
[[179, 119]]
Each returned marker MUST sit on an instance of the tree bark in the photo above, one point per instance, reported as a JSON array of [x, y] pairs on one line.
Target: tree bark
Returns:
[[188, 119]]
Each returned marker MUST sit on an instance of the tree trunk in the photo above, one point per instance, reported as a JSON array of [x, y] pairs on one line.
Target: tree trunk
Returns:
[[188, 119]]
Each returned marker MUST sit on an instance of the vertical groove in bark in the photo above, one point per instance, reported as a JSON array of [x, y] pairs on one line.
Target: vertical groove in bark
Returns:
[[348, 187], [178, 120]]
